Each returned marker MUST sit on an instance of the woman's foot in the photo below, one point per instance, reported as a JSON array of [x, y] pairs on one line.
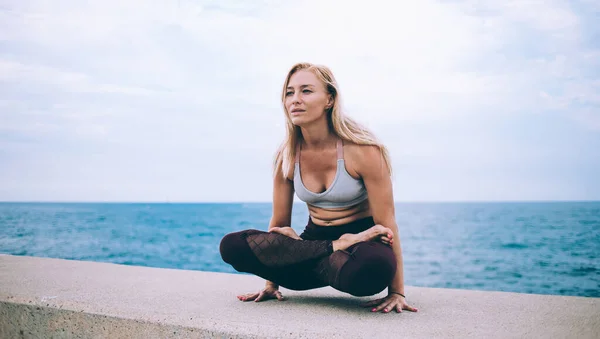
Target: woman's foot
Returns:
[[288, 231], [378, 231]]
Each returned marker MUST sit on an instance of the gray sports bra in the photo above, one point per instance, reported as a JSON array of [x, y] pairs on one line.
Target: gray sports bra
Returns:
[[344, 191]]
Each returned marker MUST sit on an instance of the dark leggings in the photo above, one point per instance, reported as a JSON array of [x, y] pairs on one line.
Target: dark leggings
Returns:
[[363, 269]]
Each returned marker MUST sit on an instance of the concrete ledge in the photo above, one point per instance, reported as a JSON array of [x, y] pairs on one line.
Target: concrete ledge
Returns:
[[42, 297]]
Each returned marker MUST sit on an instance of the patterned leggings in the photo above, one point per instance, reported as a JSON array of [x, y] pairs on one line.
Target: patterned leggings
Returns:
[[363, 269]]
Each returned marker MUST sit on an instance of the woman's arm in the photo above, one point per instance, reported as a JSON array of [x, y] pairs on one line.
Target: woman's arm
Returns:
[[376, 176], [283, 198], [371, 166], [283, 194]]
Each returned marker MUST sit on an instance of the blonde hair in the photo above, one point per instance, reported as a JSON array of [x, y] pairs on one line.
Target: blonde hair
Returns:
[[343, 126]]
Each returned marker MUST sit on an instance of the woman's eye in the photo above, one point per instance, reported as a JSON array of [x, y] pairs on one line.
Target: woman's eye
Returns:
[[288, 93], [306, 91]]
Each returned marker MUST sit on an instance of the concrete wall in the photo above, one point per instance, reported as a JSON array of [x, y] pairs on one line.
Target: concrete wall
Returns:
[[54, 298]]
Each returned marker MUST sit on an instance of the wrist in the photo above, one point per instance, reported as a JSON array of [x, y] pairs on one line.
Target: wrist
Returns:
[[271, 285], [396, 288], [390, 291]]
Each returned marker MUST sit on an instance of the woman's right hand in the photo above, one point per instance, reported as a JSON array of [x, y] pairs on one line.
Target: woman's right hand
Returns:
[[269, 292]]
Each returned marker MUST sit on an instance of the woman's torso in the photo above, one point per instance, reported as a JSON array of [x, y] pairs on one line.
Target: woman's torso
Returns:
[[318, 171]]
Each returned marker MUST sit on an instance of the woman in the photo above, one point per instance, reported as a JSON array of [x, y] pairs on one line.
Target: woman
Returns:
[[343, 174]]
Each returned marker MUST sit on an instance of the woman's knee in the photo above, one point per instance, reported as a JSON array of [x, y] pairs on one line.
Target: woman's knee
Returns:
[[370, 270], [233, 247]]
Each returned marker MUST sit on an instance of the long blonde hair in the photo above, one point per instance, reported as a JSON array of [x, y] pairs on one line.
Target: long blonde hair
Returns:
[[341, 125]]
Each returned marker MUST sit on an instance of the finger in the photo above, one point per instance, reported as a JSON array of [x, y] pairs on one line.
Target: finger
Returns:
[[260, 297], [265, 296], [247, 296], [252, 297], [387, 240], [410, 308], [279, 296], [389, 307], [372, 302], [383, 306], [393, 305]]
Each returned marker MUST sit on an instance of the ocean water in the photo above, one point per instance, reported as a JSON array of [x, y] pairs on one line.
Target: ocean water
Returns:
[[541, 248]]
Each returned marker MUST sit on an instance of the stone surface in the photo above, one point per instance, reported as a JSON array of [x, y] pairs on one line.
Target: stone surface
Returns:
[[43, 297]]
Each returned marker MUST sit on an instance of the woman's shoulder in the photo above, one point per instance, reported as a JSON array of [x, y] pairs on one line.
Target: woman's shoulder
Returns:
[[358, 157], [283, 168], [358, 151]]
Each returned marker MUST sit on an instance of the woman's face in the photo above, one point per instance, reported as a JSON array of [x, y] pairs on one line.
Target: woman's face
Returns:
[[306, 98]]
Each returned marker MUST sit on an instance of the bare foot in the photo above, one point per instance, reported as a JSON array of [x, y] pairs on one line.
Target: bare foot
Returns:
[[378, 231], [286, 231]]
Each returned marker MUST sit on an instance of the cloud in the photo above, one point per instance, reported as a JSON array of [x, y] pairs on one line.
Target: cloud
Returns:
[[411, 52], [196, 83]]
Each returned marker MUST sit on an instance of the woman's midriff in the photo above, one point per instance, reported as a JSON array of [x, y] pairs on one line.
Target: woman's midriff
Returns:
[[341, 216]]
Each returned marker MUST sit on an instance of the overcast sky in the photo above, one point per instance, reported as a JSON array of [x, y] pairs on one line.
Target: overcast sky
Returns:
[[152, 100]]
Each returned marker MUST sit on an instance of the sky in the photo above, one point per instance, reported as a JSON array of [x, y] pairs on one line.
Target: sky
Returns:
[[179, 100]]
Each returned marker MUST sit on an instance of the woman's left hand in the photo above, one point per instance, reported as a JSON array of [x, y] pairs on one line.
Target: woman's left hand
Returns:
[[389, 303]]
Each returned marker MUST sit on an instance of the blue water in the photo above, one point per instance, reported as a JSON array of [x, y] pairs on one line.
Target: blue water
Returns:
[[541, 248]]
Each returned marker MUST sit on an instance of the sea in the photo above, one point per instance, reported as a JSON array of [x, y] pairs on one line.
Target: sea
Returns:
[[526, 247]]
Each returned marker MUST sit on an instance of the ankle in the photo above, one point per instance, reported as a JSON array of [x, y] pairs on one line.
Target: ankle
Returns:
[[337, 245], [340, 244]]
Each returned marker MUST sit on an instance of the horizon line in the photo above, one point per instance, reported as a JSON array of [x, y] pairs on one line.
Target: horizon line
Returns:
[[270, 202]]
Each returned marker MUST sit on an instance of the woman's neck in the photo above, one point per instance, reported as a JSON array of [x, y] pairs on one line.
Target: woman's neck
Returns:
[[318, 137]]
